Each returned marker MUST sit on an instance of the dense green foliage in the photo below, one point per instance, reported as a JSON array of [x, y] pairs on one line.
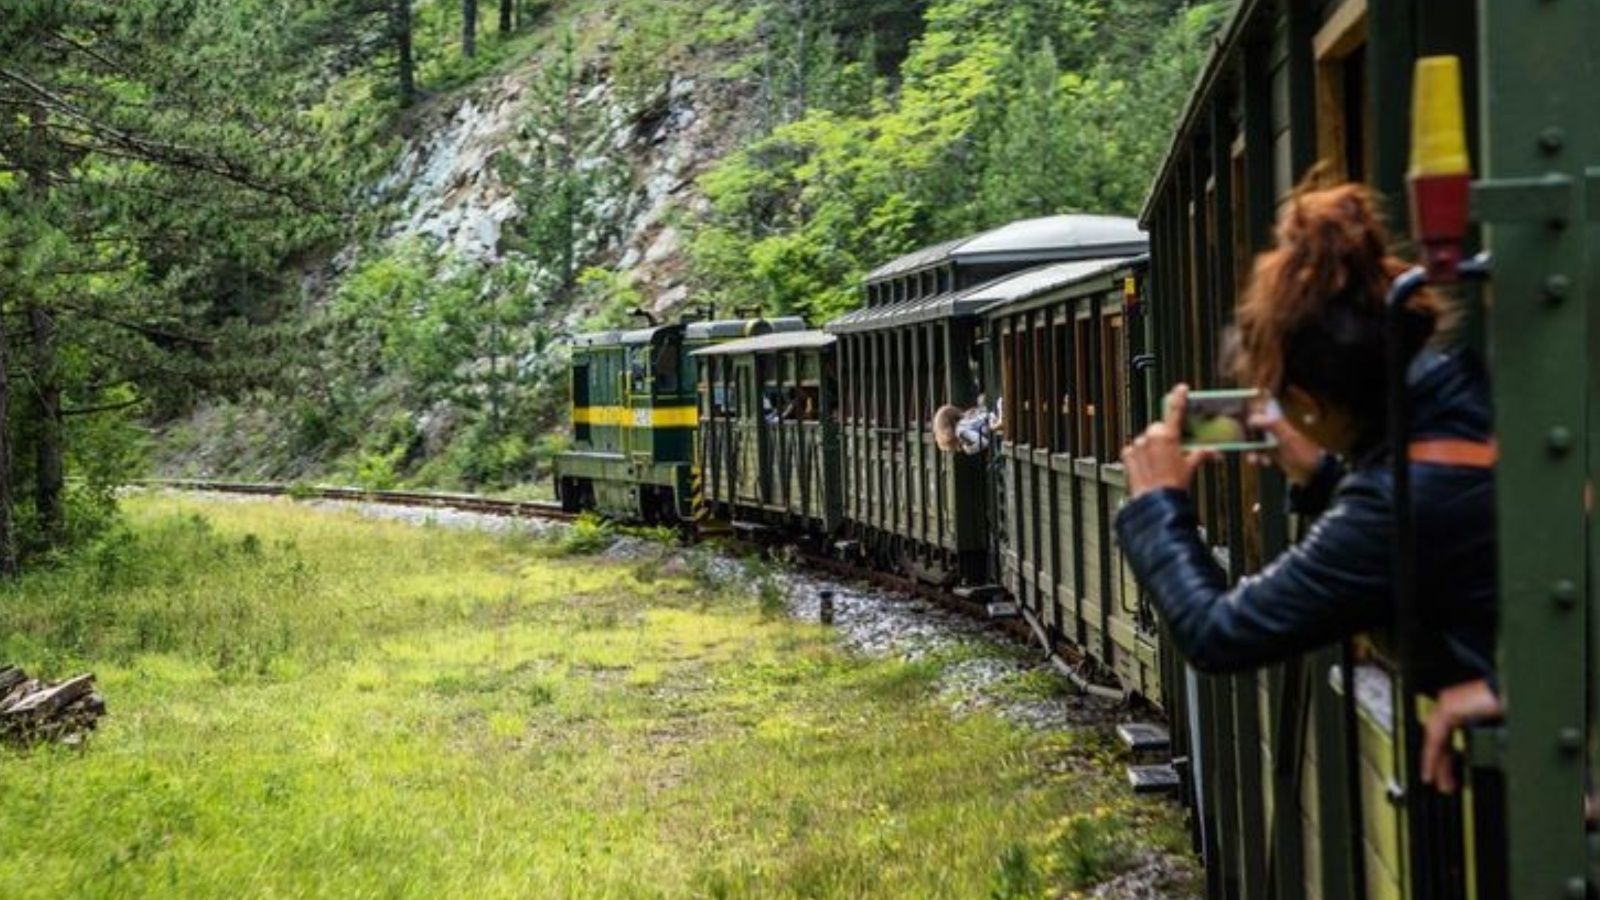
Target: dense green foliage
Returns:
[[168, 169], [1001, 111], [199, 208], [386, 710]]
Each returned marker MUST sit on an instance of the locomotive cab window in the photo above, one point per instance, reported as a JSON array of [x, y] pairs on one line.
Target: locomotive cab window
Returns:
[[580, 400], [668, 362], [638, 370], [1342, 102]]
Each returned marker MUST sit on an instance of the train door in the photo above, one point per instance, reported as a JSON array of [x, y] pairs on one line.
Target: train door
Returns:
[[768, 373], [748, 439]]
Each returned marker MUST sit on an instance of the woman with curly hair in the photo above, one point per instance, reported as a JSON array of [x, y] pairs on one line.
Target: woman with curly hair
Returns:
[[1311, 332]]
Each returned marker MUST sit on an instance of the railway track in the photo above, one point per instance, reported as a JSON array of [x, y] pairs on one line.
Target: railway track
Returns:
[[519, 509]]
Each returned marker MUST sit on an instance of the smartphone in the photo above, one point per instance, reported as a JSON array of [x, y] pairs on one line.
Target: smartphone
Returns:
[[1220, 420]]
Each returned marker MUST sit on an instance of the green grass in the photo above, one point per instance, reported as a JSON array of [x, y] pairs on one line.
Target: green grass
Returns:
[[303, 703]]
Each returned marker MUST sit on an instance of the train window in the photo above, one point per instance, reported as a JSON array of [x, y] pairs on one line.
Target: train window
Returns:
[[1008, 383], [908, 397], [1061, 396], [847, 355], [1023, 413], [1341, 87], [897, 376], [1083, 381], [638, 370], [1043, 394], [1114, 378], [667, 362], [1240, 239], [580, 400], [880, 384]]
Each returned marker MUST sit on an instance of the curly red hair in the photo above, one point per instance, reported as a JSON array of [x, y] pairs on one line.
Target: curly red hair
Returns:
[[1317, 297]]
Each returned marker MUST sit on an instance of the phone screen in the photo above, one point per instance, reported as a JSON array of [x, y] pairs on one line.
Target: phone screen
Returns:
[[1220, 420]]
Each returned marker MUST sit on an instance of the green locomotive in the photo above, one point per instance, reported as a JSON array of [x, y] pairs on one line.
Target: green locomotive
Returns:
[[634, 417]]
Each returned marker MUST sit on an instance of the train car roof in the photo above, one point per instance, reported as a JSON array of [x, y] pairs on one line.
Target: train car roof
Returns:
[[917, 259], [1006, 289], [721, 329], [1002, 292], [1077, 236], [1061, 237], [771, 343], [725, 329], [647, 335], [597, 339]]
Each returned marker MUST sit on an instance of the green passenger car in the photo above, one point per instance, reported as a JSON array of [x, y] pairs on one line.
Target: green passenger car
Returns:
[[769, 431], [912, 349]]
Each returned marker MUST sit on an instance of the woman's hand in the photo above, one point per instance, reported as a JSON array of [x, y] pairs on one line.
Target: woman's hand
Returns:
[[1471, 701], [1297, 455], [1156, 460]]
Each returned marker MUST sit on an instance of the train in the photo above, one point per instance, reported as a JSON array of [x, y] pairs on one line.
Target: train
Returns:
[[1300, 778]]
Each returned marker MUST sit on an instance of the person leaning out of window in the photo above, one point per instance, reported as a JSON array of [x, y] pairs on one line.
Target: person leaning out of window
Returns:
[[1310, 330]]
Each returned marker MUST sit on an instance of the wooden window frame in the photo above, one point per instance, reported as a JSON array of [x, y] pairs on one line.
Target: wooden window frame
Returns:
[[1083, 328], [1343, 34]]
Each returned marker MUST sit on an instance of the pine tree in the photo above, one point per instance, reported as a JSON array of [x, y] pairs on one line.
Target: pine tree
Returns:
[[558, 188], [405, 64], [1026, 172]]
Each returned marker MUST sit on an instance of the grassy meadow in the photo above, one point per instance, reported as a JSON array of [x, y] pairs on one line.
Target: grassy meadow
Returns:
[[304, 703]]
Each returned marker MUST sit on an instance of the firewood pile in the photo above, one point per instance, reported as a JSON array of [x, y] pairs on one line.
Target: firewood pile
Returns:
[[33, 712]]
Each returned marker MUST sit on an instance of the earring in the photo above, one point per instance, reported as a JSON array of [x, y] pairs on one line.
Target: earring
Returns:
[[1309, 419]]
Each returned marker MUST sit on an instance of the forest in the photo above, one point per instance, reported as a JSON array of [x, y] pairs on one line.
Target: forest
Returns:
[[218, 254]]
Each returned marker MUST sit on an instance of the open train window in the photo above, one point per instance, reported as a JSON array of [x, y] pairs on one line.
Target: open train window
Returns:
[[1043, 393], [1025, 383], [1083, 379], [1008, 383], [1061, 396], [1114, 378], [580, 400], [638, 370], [666, 369], [1342, 102], [906, 342]]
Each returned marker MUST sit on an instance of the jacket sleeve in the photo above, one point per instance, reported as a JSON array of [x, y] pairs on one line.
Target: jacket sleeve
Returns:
[[1334, 583]]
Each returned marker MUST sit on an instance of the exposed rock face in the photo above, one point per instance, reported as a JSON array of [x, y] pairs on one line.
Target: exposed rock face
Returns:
[[451, 189], [450, 192]]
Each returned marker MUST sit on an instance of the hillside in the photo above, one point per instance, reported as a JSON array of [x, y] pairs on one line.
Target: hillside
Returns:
[[617, 160]]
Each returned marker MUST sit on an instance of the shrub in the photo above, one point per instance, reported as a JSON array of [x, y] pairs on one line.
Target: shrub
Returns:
[[589, 535]]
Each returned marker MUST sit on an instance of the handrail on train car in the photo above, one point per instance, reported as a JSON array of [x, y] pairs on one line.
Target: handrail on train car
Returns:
[[1407, 621], [1438, 183]]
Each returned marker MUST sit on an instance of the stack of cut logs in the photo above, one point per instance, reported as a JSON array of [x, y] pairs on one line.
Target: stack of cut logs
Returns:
[[32, 711]]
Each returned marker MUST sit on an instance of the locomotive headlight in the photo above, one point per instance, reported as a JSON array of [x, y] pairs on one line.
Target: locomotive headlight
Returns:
[[1441, 171]]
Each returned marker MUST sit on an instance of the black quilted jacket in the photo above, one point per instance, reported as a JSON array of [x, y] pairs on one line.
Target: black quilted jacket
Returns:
[[1336, 582]]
